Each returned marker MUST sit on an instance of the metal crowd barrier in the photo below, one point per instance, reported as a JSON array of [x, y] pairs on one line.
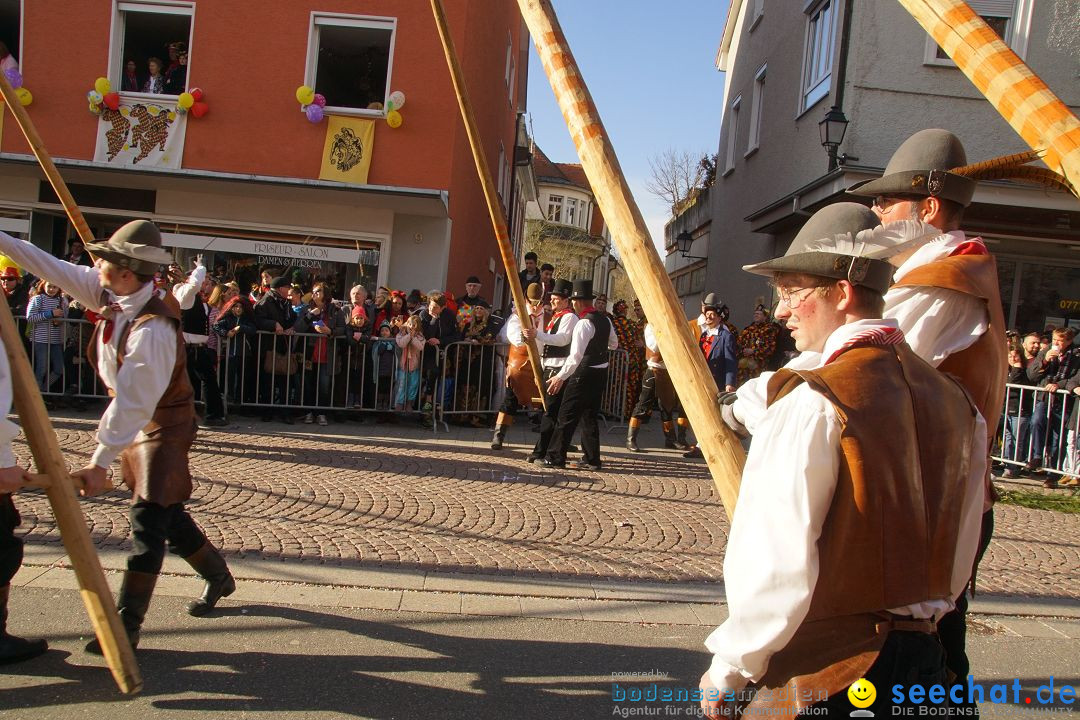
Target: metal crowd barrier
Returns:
[[1039, 429], [272, 372]]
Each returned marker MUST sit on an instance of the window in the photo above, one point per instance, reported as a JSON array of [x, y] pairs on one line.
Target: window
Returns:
[[511, 70], [697, 279], [757, 11], [733, 133], [10, 24], [502, 174], [756, 111], [571, 217], [154, 41], [817, 65], [349, 61], [1011, 19], [682, 284], [555, 205]]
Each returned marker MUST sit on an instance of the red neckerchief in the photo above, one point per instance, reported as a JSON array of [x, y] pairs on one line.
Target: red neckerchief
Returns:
[[555, 318], [108, 312], [586, 311], [705, 342], [974, 246], [879, 336]]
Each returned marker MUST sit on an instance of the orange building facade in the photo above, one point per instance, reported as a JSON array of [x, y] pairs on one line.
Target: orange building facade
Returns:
[[244, 178]]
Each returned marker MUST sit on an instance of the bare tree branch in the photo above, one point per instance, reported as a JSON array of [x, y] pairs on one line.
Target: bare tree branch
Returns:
[[677, 176]]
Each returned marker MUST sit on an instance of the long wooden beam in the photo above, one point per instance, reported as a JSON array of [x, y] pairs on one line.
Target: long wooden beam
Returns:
[[1023, 99], [41, 438], [686, 365], [491, 196]]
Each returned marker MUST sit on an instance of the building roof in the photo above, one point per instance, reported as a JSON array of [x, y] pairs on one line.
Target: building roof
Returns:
[[559, 173]]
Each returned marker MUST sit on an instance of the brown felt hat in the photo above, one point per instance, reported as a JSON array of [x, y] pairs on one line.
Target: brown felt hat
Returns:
[[920, 166], [135, 246]]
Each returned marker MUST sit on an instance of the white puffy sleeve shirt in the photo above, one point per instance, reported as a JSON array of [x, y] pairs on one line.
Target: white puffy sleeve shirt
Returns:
[[8, 429], [148, 362]]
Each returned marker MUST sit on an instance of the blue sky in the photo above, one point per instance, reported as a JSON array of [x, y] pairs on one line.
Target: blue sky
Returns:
[[650, 68]]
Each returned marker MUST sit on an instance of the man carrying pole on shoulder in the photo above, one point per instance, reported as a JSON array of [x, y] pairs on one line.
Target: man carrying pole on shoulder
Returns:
[[138, 349]]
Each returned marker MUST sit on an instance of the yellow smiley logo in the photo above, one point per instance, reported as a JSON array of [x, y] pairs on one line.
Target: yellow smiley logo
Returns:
[[862, 693]]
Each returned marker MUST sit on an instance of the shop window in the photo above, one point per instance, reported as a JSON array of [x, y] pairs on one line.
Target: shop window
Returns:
[[555, 208], [349, 61], [154, 51], [1010, 19]]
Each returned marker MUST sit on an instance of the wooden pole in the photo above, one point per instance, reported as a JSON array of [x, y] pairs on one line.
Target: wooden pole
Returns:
[[494, 204], [59, 186], [686, 365], [1027, 104], [60, 490]]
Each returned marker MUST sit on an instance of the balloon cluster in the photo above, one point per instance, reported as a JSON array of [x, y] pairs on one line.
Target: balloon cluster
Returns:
[[15, 78], [394, 103], [311, 103], [102, 95], [192, 102]]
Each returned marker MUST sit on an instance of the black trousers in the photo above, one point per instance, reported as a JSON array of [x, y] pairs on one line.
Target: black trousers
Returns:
[[551, 415], [201, 362], [11, 546], [952, 629], [648, 397], [152, 526], [582, 396], [906, 658]]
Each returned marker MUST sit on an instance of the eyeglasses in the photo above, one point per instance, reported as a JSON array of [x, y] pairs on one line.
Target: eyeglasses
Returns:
[[882, 203], [791, 297], [7, 280]]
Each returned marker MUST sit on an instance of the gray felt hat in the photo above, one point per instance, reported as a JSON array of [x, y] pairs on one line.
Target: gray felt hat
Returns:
[[836, 243], [920, 166]]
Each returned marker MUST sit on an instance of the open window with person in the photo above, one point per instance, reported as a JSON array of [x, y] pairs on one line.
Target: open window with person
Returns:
[[349, 61], [154, 46]]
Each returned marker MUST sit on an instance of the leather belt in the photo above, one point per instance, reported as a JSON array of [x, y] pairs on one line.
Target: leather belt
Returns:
[[905, 623]]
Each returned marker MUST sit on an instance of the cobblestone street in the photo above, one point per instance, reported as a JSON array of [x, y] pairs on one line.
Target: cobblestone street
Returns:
[[399, 496]]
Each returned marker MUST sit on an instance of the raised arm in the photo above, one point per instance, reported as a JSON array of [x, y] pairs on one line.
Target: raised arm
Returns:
[[81, 282]]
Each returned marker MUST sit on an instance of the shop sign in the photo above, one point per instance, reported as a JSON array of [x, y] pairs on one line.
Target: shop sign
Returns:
[[1069, 304], [269, 253]]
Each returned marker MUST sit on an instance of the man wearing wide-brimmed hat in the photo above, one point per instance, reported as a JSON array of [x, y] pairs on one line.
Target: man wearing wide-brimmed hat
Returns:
[[945, 296], [581, 381], [554, 345], [853, 533], [138, 349]]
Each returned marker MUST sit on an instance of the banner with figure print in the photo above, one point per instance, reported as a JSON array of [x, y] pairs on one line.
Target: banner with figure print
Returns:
[[347, 151], [141, 133]]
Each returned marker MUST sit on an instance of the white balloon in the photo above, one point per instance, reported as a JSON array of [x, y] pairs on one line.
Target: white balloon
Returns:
[[398, 98]]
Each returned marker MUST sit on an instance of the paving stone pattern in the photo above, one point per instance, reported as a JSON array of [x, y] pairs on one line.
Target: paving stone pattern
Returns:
[[401, 496]]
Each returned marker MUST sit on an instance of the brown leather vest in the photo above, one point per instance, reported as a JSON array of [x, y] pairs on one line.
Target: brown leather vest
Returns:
[[155, 466], [982, 366], [890, 534]]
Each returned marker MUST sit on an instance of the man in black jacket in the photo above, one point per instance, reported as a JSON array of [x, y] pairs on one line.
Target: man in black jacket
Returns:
[[1051, 370], [274, 314]]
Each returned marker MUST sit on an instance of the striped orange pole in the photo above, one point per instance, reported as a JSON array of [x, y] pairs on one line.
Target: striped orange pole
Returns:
[[686, 365], [1027, 104]]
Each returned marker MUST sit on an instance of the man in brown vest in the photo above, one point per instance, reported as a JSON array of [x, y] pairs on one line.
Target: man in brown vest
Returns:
[[138, 349], [520, 383], [945, 297], [852, 535]]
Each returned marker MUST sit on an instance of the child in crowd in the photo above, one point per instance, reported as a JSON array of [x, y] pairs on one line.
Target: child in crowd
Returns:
[[411, 341], [383, 358], [45, 311], [236, 324]]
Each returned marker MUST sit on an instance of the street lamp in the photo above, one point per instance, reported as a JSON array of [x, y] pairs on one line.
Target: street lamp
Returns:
[[685, 241], [832, 130]]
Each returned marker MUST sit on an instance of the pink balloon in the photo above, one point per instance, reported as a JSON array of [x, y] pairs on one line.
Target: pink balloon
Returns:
[[320, 100]]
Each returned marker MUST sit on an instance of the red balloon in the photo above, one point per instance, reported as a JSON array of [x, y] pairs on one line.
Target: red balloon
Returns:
[[111, 100], [196, 93], [199, 109]]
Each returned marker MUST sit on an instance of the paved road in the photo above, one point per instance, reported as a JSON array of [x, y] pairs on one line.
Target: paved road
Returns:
[[397, 496]]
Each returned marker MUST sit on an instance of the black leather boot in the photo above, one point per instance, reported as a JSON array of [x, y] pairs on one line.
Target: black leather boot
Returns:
[[669, 437], [497, 441], [631, 438], [15, 649], [207, 561], [132, 604], [680, 437]]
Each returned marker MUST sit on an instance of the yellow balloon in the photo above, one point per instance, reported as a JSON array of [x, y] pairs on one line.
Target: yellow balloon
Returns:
[[24, 95], [185, 100], [394, 119], [6, 262], [102, 85], [96, 109], [305, 95]]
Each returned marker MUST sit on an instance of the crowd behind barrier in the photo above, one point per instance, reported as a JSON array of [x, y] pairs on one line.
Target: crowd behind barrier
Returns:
[[308, 372], [1039, 426]]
